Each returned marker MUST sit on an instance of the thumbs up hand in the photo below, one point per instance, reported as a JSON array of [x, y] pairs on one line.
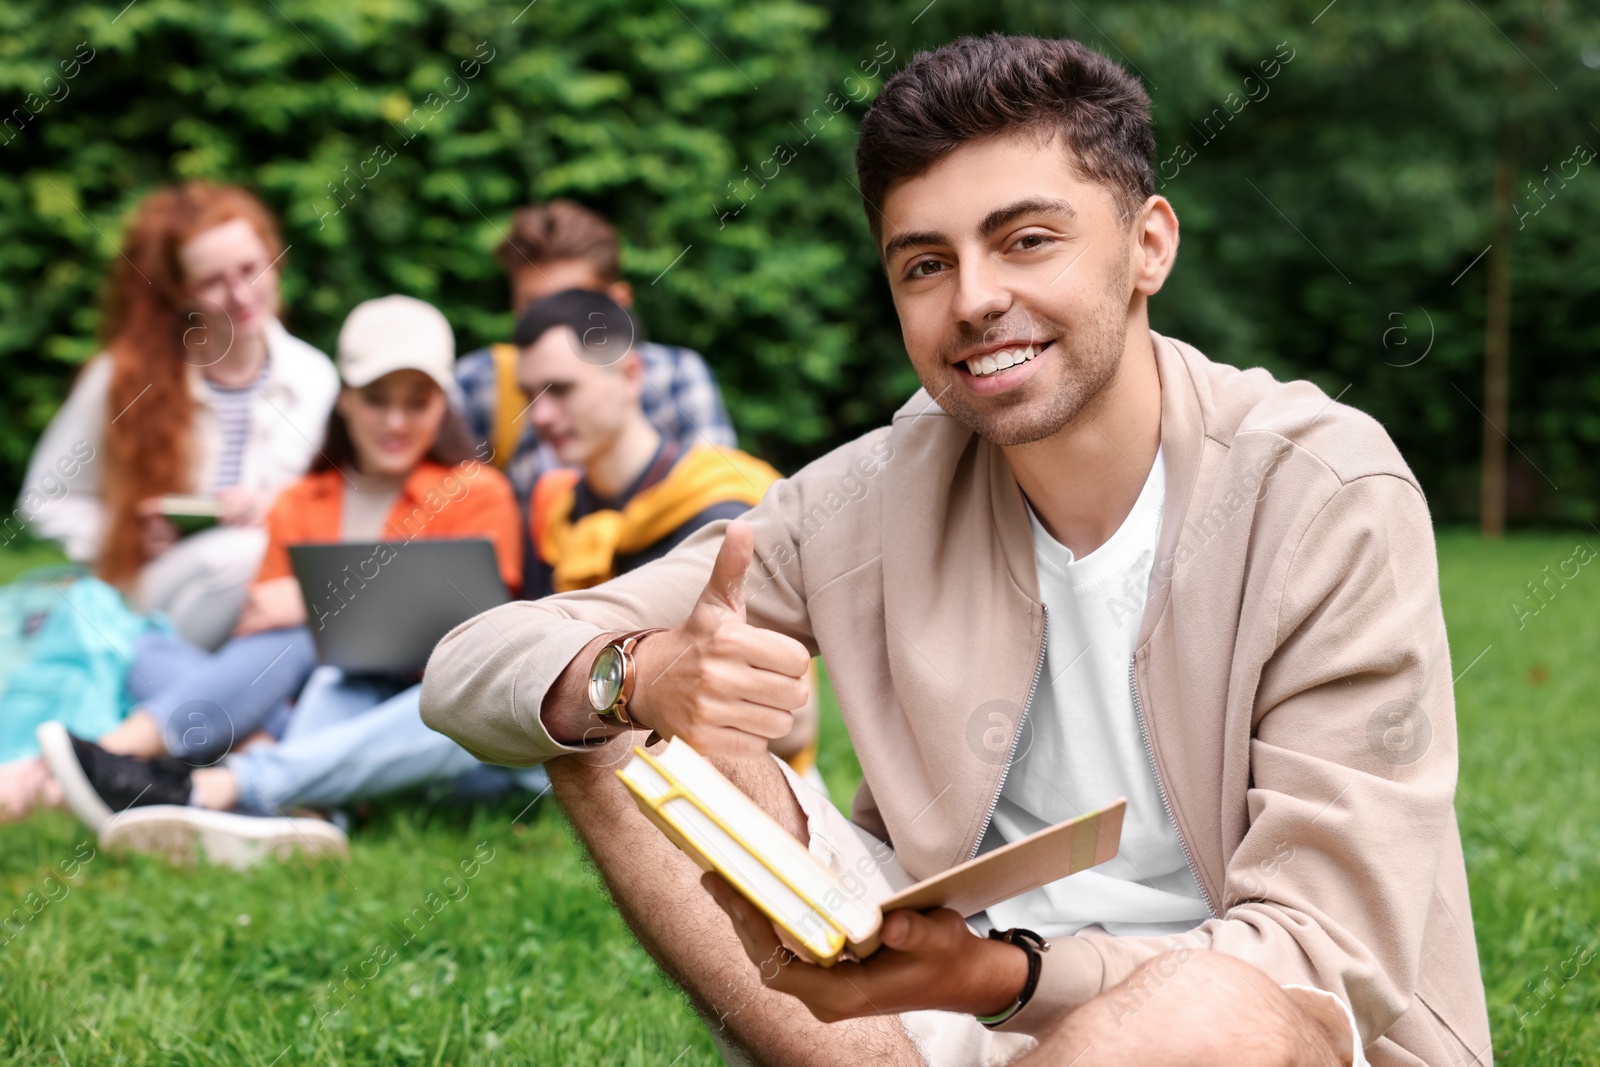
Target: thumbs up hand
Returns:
[[724, 686]]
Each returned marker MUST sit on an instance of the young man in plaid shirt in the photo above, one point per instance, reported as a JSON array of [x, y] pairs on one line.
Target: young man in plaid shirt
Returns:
[[563, 245]]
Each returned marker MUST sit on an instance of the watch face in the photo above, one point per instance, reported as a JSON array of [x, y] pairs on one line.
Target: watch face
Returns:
[[605, 678]]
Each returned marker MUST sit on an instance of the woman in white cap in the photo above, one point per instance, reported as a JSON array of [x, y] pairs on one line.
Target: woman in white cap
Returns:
[[396, 464]]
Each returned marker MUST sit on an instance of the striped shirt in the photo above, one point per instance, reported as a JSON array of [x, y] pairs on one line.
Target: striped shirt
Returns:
[[233, 425]]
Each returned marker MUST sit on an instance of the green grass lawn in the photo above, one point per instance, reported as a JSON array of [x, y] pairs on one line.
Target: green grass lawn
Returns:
[[397, 956], [1529, 798]]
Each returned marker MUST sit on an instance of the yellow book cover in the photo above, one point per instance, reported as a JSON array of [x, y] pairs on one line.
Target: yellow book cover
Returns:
[[721, 829]]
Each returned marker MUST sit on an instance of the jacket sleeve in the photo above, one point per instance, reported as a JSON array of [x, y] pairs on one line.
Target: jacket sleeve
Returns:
[[486, 680], [1353, 773], [502, 522], [283, 529], [60, 495]]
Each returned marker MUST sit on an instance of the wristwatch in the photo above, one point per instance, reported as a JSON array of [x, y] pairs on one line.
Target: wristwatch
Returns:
[[613, 677]]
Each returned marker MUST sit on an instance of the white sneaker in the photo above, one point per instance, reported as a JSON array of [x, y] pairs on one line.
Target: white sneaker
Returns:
[[185, 835], [55, 748]]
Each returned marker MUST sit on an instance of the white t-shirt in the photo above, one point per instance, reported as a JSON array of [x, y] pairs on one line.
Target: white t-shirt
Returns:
[[1084, 747]]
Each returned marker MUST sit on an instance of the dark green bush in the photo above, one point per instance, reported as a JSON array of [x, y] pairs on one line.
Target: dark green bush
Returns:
[[1323, 223], [394, 139]]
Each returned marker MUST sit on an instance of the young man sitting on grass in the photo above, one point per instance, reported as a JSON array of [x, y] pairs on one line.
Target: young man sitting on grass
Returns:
[[624, 493], [1089, 562]]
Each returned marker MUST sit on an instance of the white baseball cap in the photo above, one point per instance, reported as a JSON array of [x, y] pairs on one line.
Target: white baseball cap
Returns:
[[394, 333]]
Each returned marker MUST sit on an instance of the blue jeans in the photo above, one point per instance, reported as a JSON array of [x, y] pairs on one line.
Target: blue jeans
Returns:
[[206, 702], [352, 737]]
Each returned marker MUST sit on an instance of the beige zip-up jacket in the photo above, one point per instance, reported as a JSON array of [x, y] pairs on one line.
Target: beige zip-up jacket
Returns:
[[1291, 675]]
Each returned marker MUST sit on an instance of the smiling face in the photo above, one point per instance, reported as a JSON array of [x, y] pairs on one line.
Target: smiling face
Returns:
[[1017, 284], [393, 422], [231, 280]]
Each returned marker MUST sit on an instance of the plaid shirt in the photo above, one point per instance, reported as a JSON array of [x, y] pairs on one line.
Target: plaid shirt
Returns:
[[681, 399]]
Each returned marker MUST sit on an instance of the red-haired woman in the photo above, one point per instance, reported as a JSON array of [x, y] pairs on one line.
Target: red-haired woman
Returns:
[[201, 391], [397, 465]]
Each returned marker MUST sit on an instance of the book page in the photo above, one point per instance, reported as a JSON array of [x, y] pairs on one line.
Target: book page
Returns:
[[1014, 869]]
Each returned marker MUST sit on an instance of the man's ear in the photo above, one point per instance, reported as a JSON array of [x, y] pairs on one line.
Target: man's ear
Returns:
[[631, 367], [621, 292], [1155, 245]]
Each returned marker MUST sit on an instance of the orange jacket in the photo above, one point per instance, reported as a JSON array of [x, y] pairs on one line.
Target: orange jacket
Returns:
[[469, 500]]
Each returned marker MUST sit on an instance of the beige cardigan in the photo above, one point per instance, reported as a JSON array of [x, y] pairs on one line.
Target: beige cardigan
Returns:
[[1291, 673]]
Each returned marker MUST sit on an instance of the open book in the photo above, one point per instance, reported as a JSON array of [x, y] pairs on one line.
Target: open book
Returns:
[[190, 514], [823, 915]]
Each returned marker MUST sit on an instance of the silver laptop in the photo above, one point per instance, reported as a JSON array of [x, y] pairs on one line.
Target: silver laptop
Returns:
[[380, 607]]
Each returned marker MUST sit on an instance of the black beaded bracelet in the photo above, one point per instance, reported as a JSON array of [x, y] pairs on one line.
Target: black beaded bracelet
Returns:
[[1031, 944]]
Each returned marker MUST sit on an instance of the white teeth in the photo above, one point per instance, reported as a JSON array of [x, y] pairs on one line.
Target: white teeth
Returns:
[[998, 361]]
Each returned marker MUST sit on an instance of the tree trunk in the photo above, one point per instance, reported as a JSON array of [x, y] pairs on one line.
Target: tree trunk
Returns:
[[1497, 352]]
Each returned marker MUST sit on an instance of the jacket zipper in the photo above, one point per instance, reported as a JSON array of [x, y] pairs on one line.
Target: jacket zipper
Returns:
[[1161, 789], [1038, 672]]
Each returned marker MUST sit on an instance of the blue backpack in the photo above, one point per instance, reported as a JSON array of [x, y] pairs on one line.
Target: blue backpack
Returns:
[[66, 644]]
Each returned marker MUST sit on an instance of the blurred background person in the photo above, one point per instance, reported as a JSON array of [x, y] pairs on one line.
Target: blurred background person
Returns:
[[624, 493], [200, 390], [394, 440], [563, 245]]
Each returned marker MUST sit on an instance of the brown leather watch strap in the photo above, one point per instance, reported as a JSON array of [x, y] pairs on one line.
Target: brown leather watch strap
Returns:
[[625, 645]]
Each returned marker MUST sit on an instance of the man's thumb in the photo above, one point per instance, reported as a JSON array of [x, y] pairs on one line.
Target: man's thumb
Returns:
[[726, 585]]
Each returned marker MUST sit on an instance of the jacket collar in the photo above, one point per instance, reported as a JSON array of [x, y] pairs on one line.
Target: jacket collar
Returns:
[[1183, 440], [426, 478]]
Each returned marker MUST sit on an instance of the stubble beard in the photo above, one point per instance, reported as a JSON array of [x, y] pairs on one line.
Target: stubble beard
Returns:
[[1089, 356]]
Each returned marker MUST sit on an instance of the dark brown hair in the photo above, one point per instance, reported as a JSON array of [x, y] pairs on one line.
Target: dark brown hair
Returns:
[[587, 313], [561, 229], [144, 325], [451, 447], [978, 87]]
